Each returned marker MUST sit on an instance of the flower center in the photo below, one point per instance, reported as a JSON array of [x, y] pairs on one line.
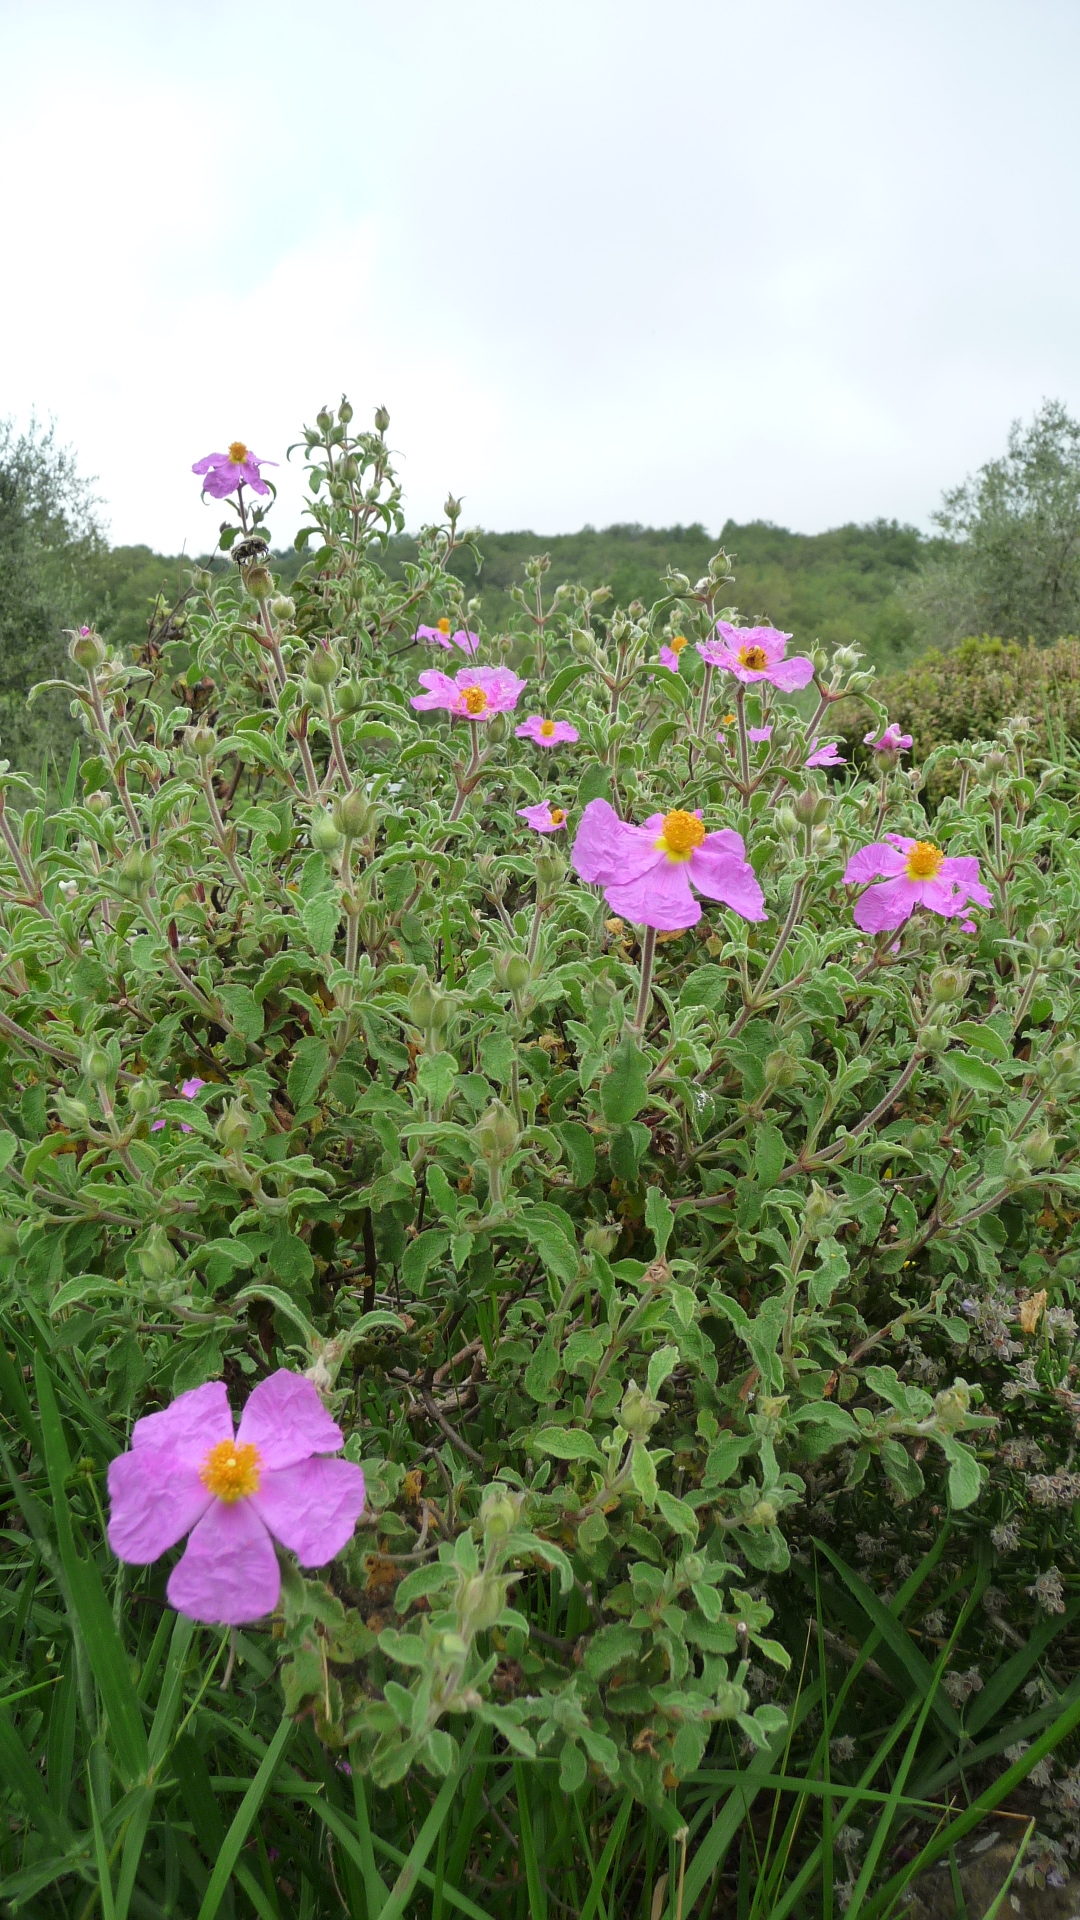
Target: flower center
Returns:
[[547, 728], [558, 815], [681, 833], [238, 453], [924, 861], [443, 625], [231, 1471], [475, 700], [678, 642], [755, 658]]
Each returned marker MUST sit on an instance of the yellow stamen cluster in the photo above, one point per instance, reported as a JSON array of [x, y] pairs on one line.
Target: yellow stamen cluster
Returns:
[[547, 728], [924, 861], [475, 701], [238, 453], [232, 1471], [681, 833], [558, 815], [755, 658], [443, 625], [678, 642]]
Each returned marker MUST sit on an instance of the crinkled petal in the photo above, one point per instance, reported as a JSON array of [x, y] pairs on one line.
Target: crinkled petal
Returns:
[[964, 869], [607, 848], [312, 1508], [790, 675], [253, 477], [210, 460], [229, 1572], [220, 482], [719, 870], [660, 898], [153, 1501], [187, 1429], [878, 861], [888, 905], [287, 1421]]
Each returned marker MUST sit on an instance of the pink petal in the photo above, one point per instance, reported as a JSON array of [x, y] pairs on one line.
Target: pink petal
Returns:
[[659, 898], [209, 460], [218, 483], [229, 1572], [790, 675], [759, 733], [883, 907], [194, 1423], [874, 862], [153, 1502], [607, 848], [720, 870], [287, 1421], [312, 1508], [189, 1088]]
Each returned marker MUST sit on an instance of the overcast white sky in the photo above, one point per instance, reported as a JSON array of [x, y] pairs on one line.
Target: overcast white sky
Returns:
[[656, 260]]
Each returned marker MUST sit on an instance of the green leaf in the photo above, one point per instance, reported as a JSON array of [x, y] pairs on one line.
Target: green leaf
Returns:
[[320, 918], [552, 1242], [966, 1474], [680, 1517], [243, 1010], [770, 1155], [435, 1074], [291, 1258], [311, 1058], [568, 1443], [979, 1075], [577, 1143], [985, 1039], [595, 784], [659, 1218], [643, 1473], [624, 1090], [422, 1253], [9, 1146]]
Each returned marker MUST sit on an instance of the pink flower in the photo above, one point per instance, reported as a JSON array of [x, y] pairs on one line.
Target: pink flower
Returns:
[[227, 471], [546, 733], [543, 818], [474, 693], [891, 741], [757, 653], [669, 655], [187, 1473], [759, 733], [83, 631], [827, 756], [646, 872], [189, 1088], [441, 635], [913, 873]]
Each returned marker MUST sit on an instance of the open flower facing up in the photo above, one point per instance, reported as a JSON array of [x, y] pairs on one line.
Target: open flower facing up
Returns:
[[235, 1494], [649, 873], [827, 756], [891, 741], [226, 471], [543, 818], [912, 873], [757, 653], [546, 733], [474, 693], [669, 655], [188, 1089], [441, 636]]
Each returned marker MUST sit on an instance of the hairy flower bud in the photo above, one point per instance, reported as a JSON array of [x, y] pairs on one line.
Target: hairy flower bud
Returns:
[[325, 837], [156, 1257], [512, 971], [349, 697], [1039, 1148], [452, 508], [200, 741], [809, 807], [323, 666], [763, 1513], [233, 1127], [782, 1069], [95, 1062], [283, 608], [135, 872], [324, 419], [429, 1007], [639, 1411], [499, 1510], [496, 1133], [354, 815], [819, 1212], [74, 1114], [98, 803], [1040, 935], [480, 1600], [952, 1406], [948, 984], [601, 1237], [1015, 1164], [87, 649]]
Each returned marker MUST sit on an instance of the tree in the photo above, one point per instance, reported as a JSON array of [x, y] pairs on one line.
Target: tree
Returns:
[[48, 533], [1014, 569]]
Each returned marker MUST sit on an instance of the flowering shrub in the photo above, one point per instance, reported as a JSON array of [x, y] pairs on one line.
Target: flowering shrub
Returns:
[[613, 1184]]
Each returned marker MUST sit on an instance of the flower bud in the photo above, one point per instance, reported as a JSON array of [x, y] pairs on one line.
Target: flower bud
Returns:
[[323, 667], [156, 1257], [948, 984], [499, 1511], [496, 1133], [452, 1646], [95, 1062], [382, 419], [142, 1098], [480, 1600], [9, 1240], [87, 649], [349, 697], [819, 1212], [1058, 957], [259, 581], [921, 1138], [452, 508], [324, 419], [74, 1114], [429, 1007], [1039, 1148], [763, 1513], [233, 1127], [512, 972], [639, 1411], [1040, 935], [784, 819], [325, 837], [846, 659], [782, 1069], [952, 1406], [283, 608], [98, 803], [353, 815], [996, 761], [810, 807], [200, 741], [600, 1238], [1014, 1162], [344, 412], [135, 872]]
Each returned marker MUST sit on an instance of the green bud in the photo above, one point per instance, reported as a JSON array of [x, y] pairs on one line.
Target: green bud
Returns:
[[996, 761], [98, 803], [762, 1514], [934, 1037], [156, 1257], [1014, 1162], [324, 419], [600, 1238], [550, 869], [350, 697], [344, 412], [809, 807], [1059, 957], [782, 1069], [819, 1212], [258, 580], [952, 1406], [920, 1138], [948, 984], [325, 837], [639, 1411], [233, 1127], [142, 1098], [354, 815], [283, 608], [74, 1114], [496, 1133], [87, 650], [323, 667], [694, 1566], [480, 1600], [429, 1007], [512, 972], [95, 1062], [135, 872], [1040, 935], [200, 741], [846, 659], [499, 1510], [785, 819], [1040, 1148]]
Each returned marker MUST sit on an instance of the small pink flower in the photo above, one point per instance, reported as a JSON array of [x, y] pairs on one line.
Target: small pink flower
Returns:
[[669, 655], [543, 818], [474, 693], [227, 471], [827, 756], [188, 1089], [913, 873], [83, 631], [546, 733], [891, 741], [441, 635], [757, 653], [235, 1494], [759, 733], [647, 872]]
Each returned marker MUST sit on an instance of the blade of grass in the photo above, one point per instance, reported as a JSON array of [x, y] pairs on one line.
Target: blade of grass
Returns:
[[242, 1822], [914, 1664], [604, 1864]]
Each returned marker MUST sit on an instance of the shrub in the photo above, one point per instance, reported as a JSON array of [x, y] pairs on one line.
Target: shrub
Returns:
[[966, 692]]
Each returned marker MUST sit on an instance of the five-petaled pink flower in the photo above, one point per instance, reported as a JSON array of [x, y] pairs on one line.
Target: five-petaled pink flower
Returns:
[[647, 872], [188, 1088], [912, 873], [441, 635], [546, 733], [474, 693], [757, 653], [891, 741], [227, 471], [669, 655], [543, 818], [827, 756], [235, 1494]]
